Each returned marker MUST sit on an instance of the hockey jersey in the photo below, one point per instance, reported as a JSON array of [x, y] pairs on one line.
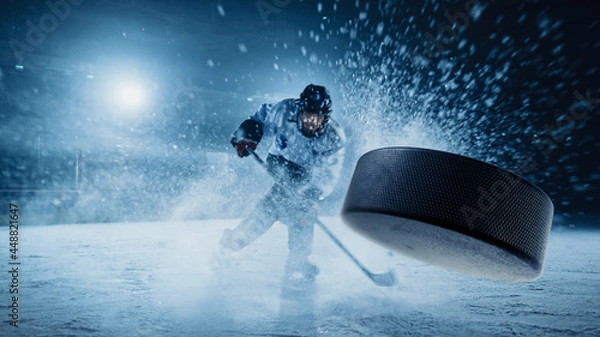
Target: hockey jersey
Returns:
[[321, 157]]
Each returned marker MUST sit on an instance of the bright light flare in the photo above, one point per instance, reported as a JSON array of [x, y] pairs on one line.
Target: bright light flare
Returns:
[[130, 95]]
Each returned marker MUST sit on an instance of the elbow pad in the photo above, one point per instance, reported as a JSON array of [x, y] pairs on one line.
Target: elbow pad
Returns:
[[249, 129]]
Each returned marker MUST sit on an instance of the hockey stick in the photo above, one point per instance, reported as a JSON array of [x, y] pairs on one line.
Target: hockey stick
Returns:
[[383, 280]]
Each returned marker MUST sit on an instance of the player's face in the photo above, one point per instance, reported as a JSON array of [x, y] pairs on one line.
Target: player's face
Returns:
[[311, 122]]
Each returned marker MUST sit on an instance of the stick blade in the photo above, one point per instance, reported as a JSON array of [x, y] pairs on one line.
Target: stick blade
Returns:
[[383, 280]]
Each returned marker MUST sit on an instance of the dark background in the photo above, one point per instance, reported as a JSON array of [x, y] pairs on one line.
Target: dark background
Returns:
[[503, 89]]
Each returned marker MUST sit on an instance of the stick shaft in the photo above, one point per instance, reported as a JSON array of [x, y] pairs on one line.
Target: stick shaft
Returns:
[[342, 247]]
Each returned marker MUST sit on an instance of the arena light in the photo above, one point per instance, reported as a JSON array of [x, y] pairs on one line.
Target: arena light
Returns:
[[130, 95]]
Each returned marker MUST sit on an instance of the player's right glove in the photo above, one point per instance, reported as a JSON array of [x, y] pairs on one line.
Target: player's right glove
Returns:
[[242, 146], [246, 137]]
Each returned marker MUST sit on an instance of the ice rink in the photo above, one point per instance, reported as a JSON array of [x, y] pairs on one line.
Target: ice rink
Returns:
[[154, 279]]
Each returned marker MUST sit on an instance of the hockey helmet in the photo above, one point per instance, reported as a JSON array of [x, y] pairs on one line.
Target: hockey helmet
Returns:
[[314, 100]]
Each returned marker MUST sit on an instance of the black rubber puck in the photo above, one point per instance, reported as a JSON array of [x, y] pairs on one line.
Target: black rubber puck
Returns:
[[452, 211]]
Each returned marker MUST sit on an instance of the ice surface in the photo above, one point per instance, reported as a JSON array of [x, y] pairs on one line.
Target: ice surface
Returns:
[[153, 279]]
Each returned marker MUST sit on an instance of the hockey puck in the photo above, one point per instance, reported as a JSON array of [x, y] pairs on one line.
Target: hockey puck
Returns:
[[451, 211]]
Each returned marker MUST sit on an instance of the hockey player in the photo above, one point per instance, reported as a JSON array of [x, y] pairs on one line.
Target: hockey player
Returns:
[[305, 158]]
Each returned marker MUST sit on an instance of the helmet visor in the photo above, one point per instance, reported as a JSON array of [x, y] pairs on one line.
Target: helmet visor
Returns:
[[311, 122]]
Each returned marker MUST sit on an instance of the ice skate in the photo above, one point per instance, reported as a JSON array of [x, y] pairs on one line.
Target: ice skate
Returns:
[[298, 273], [224, 256], [298, 279]]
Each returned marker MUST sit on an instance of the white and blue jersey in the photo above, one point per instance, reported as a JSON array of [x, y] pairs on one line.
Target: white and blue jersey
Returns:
[[320, 156]]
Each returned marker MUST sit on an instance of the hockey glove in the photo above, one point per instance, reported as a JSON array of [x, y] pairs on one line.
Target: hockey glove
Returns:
[[242, 146], [309, 213], [310, 193], [246, 137]]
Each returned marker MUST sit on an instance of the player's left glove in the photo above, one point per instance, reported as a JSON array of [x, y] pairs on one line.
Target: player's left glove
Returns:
[[310, 193]]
